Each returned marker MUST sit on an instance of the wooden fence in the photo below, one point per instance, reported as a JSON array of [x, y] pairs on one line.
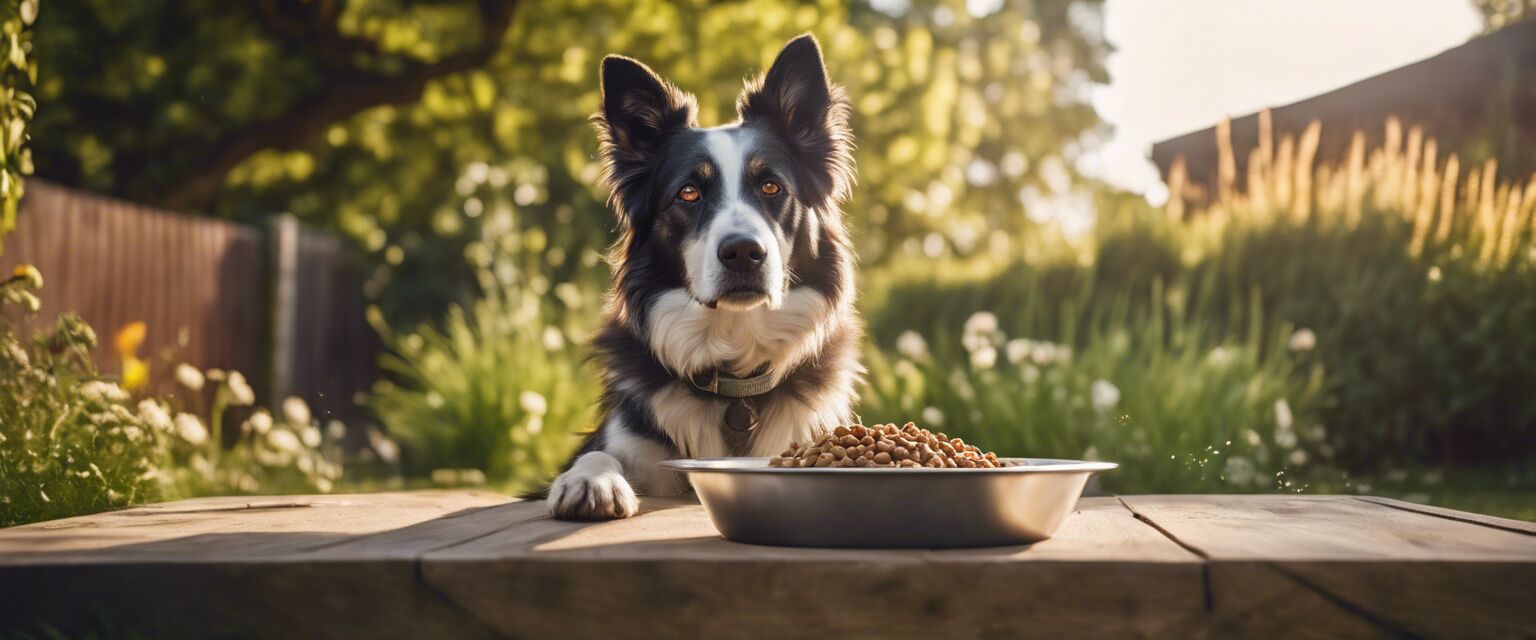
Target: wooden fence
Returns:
[[207, 290]]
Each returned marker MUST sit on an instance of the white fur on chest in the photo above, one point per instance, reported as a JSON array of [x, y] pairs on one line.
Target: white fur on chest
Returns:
[[689, 338]]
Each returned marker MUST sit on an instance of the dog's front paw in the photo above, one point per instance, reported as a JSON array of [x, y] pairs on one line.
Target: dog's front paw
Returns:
[[593, 488]]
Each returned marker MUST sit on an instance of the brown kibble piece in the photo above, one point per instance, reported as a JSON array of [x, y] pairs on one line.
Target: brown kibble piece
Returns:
[[886, 445]]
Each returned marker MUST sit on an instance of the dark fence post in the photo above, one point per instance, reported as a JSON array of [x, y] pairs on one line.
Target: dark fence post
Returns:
[[285, 312]]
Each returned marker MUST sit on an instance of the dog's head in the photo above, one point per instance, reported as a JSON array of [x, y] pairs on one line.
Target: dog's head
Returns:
[[728, 212]]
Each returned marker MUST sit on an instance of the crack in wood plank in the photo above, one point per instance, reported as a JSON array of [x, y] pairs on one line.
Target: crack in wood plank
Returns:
[[420, 579], [1383, 624], [1386, 626], [250, 506], [1205, 558], [1413, 508]]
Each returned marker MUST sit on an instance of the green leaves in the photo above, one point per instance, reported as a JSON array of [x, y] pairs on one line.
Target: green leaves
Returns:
[[17, 75]]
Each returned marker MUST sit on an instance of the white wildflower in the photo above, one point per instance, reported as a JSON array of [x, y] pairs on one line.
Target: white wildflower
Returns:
[[1240, 471], [388, 451], [933, 417], [1043, 354], [201, 465], [310, 436], [191, 429], [912, 345], [1220, 357], [240, 393], [1018, 349], [1283, 416], [984, 358], [434, 399], [1303, 340], [533, 402], [1298, 457], [190, 377], [260, 421], [1105, 395], [1030, 373], [103, 391], [1286, 438], [553, 340], [1252, 438], [981, 323], [154, 415], [284, 440], [323, 485], [535, 425], [28, 274], [296, 411], [336, 429]]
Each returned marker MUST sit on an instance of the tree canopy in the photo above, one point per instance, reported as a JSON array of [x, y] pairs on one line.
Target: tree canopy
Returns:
[[412, 127]]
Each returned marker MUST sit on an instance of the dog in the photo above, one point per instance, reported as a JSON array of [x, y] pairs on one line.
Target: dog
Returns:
[[730, 328]]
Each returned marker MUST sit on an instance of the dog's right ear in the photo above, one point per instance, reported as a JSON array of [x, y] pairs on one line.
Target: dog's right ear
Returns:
[[640, 113]]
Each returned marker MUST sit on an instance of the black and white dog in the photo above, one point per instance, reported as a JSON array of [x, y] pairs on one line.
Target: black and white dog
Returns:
[[730, 328]]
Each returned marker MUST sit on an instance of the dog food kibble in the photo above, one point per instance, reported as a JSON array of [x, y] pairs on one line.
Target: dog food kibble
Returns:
[[886, 445]]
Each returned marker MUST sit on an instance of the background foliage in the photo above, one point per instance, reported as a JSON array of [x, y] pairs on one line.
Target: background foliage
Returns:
[[18, 73]]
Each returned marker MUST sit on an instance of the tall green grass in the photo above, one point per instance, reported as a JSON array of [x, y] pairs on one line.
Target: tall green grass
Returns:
[[1415, 286]]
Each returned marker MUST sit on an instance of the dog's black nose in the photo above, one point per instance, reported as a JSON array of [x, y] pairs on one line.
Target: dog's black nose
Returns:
[[742, 253]]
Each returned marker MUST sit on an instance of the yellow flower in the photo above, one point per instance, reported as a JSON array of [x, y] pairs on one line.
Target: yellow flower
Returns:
[[135, 373], [130, 337], [127, 341]]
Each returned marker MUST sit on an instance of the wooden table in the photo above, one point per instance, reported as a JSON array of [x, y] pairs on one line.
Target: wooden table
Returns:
[[475, 564]]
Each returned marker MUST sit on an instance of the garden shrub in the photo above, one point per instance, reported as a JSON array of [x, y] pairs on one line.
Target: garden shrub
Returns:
[[497, 387], [70, 442]]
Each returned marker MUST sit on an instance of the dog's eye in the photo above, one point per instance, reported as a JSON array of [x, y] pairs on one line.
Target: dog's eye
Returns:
[[688, 193], [771, 188]]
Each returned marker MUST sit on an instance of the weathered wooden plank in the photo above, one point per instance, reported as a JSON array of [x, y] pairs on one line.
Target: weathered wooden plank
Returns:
[[409, 543], [1338, 566], [1297, 527], [228, 599], [1518, 526], [240, 529], [667, 573]]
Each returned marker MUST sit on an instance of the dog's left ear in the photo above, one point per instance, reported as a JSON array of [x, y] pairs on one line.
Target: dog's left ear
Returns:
[[795, 99]]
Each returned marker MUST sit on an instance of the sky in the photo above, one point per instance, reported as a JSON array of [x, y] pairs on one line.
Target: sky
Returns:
[[1180, 65]]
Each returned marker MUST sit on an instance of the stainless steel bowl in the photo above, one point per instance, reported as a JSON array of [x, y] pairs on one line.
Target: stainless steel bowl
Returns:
[[752, 502]]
